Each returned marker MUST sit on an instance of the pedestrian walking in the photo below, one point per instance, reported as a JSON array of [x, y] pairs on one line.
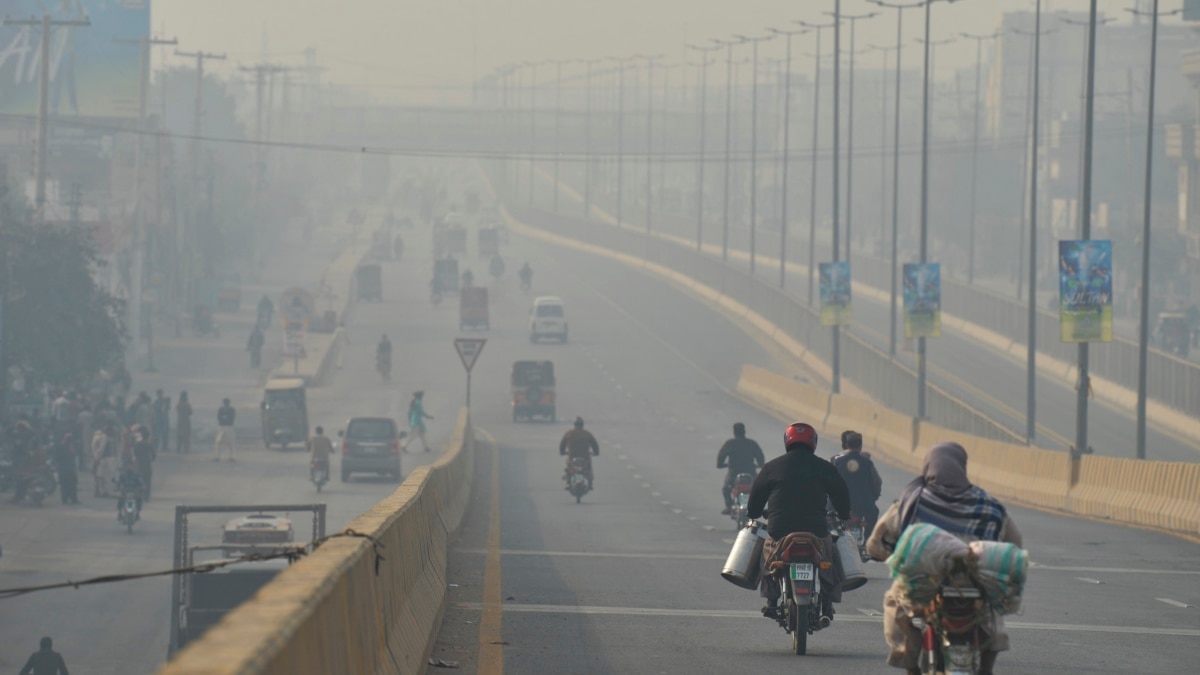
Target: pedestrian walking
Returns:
[[63, 454], [45, 661], [226, 415], [416, 420], [144, 456], [86, 425], [104, 464], [162, 420], [183, 424], [144, 412], [254, 345]]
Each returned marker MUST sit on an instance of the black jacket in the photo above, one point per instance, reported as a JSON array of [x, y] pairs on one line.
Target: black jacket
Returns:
[[795, 488], [226, 415], [45, 662], [741, 455], [863, 481]]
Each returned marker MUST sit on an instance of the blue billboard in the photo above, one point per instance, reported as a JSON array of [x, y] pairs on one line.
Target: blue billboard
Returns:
[[90, 74]]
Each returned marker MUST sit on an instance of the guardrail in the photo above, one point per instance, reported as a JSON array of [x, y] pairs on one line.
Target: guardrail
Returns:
[[356, 604], [1162, 495]]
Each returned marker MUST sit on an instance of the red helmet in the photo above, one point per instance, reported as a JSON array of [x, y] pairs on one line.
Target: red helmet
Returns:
[[801, 433]]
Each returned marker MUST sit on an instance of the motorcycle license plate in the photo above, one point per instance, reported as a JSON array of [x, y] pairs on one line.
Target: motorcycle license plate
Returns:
[[802, 572]]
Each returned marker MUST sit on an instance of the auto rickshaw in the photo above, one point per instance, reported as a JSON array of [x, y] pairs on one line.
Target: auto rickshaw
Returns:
[[368, 280], [1174, 333], [473, 308], [284, 413], [445, 274], [489, 242], [533, 390]]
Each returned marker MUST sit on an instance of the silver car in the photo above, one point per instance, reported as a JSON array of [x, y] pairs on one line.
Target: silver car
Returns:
[[371, 445]]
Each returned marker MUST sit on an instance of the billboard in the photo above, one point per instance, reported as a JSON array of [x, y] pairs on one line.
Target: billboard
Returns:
[[834, 286], [1085, 304], [90, 75], [922, 300]]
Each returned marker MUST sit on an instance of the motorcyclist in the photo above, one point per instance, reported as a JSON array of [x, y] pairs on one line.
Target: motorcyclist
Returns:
[[793, 491], [526, 275], [496, 266], [129, 483], [739, 455], [863, 480], [320, 449], [579, 442], [383, 354]]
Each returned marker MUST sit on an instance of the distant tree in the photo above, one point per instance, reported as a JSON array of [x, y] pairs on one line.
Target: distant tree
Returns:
[[59, 324]]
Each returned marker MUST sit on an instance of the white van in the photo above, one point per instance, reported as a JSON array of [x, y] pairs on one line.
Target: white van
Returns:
[[547, 319]]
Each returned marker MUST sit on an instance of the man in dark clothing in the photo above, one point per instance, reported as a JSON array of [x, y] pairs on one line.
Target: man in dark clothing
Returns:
[[858, 471], [793, 490], [739, 455], [254, 345], [129, 483], [144, 454], [65, 462], [579, 442], [162, 420], [45, 661]]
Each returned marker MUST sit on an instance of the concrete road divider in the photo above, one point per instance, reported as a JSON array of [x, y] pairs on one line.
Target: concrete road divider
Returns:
[[369, 600]]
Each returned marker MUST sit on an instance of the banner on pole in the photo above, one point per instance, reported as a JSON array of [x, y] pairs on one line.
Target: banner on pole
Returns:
[[1085, 304], [922, 300], [834, 286]]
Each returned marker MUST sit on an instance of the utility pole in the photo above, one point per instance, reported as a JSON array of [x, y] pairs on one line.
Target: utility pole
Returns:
[[816, 123], [1031, 340], [532, 124], [883, 132], [650, 137], [557, 124], [853, 19], [837, 197], [896, 169], [139, 209], [43, 119], [754, 146], [197, 129], [1085, 229], [587, 165], [728, 44], [975, 139], [703, 103], [1144, 310], [924, 202], [787, 126]]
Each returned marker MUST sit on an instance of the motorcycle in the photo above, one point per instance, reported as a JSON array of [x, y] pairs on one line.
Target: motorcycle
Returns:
[[577, 482], [856, 530], [801, 595], [952, 630], [318, 473], [40, 483], [526, 283], [130, 511], [383, 366], [741, 496]]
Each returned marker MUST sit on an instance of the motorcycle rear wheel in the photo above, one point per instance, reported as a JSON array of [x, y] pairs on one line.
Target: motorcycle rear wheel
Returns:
[[798, 621]]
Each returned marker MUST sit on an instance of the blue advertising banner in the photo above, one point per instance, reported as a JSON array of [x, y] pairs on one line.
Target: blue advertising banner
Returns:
[[834, 287], [922, 300], [1085, 303], [90, 75]]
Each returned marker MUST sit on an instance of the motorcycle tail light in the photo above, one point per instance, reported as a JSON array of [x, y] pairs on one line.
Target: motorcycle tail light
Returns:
[[927, 639], [802, 590], [345, 447], [826, 565]]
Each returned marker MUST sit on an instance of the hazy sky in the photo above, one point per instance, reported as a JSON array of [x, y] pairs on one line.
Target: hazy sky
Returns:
[[416, 42]]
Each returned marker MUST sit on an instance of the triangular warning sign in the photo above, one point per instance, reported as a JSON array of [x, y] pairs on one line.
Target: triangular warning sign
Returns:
[[468, 350]]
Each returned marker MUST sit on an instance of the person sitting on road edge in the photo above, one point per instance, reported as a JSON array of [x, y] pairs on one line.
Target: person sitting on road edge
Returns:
[[739, 455], [579, 442]]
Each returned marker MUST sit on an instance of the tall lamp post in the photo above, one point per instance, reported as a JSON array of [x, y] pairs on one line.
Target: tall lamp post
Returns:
[[812, 200], [853, 19], [1144, 310], [703, 103], [621, 133], [532, 124], [754, 145], [728, 44], [896, 168], [1085, 229], [883, 132], [587, 165], [1031, 321], [979, 39], [649, 136], [787, 126]]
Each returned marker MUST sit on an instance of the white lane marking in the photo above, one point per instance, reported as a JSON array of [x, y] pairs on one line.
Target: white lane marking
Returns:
[[869, 612], [665, 502], [637, 476], [645, 485], [845, 618], [629, 466], [710, 528], [1110, 570], [619, 387], [1175, 603], [677, 511], [595, 554], [622, 457], [617, 446], [727, 541], [1089, 580], [691, 428], [655, 494], [692, 518]]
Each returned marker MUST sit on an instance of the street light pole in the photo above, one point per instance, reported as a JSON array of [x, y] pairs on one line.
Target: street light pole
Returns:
[[975, 142], [1144, 292], [557, 124], [532, 124], [587, 165], [650, 138], [924, 250], [754, 146], [853, 19], [703, 137], [812, 200], [896, 170], [787, 126], [728, 138], [1031, 321], [1085, 229]]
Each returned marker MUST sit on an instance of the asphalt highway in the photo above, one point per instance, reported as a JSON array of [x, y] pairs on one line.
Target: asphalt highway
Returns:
[[628, 581]]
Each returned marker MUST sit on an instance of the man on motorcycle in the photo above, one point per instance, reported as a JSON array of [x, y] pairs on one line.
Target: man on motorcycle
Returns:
[[793, 491], [738, 455], [858, 470], [526, 275], [579, 442], [320, 449], [383, 354], [129, 483], [942, 495]]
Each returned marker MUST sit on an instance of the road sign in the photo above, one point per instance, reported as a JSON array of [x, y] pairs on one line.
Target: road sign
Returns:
[[468, 350]]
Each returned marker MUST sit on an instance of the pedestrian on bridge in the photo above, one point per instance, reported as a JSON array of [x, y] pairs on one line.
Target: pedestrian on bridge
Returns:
[[183, 424], [226, 415], [416, 420], [162, 420], [45, 661]]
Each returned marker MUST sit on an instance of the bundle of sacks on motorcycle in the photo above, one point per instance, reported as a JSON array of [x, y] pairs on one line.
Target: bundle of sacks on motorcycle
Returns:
[[946, 537]]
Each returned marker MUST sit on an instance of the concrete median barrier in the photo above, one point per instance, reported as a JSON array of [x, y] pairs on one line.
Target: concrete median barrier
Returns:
[[1152, 494], [789, 398], [356, 604]]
